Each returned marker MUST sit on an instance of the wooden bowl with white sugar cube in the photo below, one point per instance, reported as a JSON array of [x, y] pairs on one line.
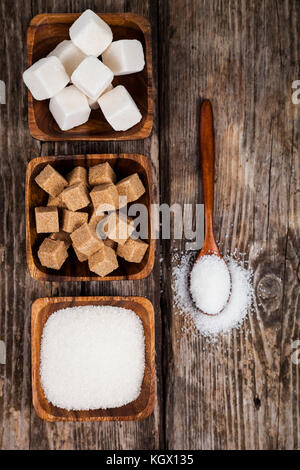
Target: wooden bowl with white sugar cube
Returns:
[[42, 210], [138, 409], [45, 33]]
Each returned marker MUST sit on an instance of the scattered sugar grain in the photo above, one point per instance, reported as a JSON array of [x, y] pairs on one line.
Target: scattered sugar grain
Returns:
[[234, 313], [92, 357]]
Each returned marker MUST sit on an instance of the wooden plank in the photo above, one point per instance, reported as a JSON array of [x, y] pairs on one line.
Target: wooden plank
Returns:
[[17, 290], [289, 418], [20, 428], [242, 56]]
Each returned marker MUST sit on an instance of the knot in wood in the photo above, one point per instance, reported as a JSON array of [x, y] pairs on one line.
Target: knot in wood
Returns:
[[269, 292]]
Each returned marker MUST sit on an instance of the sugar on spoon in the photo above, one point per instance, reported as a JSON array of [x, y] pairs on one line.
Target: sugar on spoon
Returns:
[[210, 280]]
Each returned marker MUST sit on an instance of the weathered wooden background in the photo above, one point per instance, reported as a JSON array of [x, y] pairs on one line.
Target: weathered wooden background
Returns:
[[243, 391]]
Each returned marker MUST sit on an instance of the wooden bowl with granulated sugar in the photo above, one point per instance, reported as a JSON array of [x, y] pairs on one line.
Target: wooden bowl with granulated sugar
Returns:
[[139, 409], [73, 270], [49, 29]]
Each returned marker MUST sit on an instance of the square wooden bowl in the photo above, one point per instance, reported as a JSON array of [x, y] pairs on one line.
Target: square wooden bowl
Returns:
[[72, 269], [45, 32], [141, 408]]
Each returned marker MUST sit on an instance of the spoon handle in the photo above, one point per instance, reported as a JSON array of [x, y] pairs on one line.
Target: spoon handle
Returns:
[[207, 152]]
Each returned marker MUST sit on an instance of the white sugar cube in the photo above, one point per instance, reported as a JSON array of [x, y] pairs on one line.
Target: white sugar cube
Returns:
[[46, 78], [119, 109], [124, 56], [94, 103], [70, 108], [91, 34], [69, 55], [92, 77]]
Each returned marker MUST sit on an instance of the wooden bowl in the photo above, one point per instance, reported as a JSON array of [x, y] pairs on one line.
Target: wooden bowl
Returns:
[[45, 32], [141, 408], [72, 269]]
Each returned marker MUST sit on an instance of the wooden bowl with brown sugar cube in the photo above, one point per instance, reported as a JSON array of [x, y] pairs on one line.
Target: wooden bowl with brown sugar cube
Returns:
[[141, 407], [60, 185], [45, 32]]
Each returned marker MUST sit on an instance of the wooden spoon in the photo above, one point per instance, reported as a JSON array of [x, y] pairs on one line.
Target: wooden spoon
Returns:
[[207, 152]]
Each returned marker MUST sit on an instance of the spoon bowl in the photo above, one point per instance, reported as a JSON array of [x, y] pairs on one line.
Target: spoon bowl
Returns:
[[207, 153]]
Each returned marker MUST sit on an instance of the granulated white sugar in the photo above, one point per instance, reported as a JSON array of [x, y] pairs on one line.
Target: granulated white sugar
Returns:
[[92, 357], [235, 311], [210, 284]]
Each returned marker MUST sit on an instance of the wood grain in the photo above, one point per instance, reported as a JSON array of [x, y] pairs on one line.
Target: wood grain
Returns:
[[242, 391], [141, 408], [72, 270], [45, 32]]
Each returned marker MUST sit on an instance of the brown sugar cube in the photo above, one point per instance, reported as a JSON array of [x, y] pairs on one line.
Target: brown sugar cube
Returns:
[[75, 197], [52, 253], [51, 181], [56, 202], [102, 173], [103, 261], [94, 219], [46, 219], [77, 175], [110, 243], [79, 255], [117, 227], [73, 220], [63, 237], [93, 224], [84, 239], [131, 187], [105, 197], [132, 250]]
